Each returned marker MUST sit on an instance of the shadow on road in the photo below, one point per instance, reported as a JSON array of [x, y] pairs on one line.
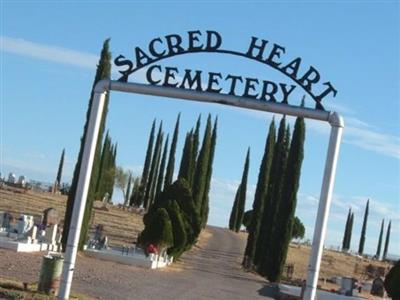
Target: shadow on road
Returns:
[[269, 290]]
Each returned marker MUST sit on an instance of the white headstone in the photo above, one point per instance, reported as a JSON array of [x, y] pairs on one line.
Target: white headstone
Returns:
[[25, 223], [51, 233], [22, 180], [11, 178], [1, 218]]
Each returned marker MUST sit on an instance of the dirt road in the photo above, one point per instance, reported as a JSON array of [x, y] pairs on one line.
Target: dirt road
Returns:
[[211, 271]]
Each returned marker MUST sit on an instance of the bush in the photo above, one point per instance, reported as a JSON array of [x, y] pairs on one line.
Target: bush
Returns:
[[247, 219], [298, 229], [178, 228], [178, 205], [392, 282], [158, 231]]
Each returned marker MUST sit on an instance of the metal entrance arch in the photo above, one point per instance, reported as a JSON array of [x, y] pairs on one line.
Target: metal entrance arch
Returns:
[[106, 85]]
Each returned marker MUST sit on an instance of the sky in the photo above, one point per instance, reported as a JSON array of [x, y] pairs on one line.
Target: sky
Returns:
[[49, 51]]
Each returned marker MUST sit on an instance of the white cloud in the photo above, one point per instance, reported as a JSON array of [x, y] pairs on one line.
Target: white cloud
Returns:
[[372, 140], [48, 52]]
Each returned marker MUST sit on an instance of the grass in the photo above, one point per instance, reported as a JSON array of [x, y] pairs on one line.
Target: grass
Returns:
[[13, 289], [121, 226]]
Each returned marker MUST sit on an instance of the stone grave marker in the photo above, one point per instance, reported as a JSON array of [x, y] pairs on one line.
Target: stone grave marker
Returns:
[[51, 233], [50, 217], [24, 224], [377, 288]]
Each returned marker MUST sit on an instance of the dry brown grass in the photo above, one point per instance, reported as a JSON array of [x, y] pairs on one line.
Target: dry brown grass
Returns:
[[121, 226], [333, 263]]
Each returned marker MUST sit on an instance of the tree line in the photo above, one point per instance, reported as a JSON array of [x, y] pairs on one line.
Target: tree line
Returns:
[[346, 242], [270, 228], [177, 211]]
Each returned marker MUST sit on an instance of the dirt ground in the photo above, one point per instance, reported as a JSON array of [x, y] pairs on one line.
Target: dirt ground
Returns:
[[122, 227]]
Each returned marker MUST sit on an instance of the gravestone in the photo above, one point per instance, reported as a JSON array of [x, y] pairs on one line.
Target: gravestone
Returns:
[[1, 219], [32, 234], [8, 221], [50, 217], [50, 234], [377, 288], [11, 178], [25, 223], [22, 180], [99, 240]]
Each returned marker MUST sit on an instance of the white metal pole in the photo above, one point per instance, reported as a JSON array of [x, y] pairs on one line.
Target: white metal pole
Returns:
[[81, 194], [323, 208]]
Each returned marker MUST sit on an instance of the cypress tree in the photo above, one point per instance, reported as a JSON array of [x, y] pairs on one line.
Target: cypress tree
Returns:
[[346, 232], [242, 195], [363, 230], [128, 190], [113, 167], [135, 190], [103, 71], [259, 197], [155, 161], [348, 243], [385, 250], [162, 169], [272, 198], [378, 249], [234, 211], [186, 160], [205, 204], [196, 137], [178, 228], [273, 263], [105, 155], [59, 171], [200, 174], [146, 167], [171, 160]]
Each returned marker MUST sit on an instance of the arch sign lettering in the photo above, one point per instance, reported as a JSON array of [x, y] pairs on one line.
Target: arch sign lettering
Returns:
[[260, 50], [215, 87]]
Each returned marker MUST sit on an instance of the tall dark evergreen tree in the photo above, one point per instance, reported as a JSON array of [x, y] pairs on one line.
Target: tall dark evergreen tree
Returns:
[[146, 168], [378, 249], [205, 204], [135, 191], [234, 211], [385, 250], [346, 232], [186, 165], [171, 160], [348, 242], [243, 191], [272, 199], [105, 182], [363, 230], [103, 71], [273, 263], [128, 190], [195, 149], [114, 167], [59, 171], [200, 174], [105, 156], [155, 162], [160, 179], [259, 197]]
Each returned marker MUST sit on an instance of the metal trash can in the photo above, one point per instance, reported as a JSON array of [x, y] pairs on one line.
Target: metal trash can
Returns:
[[50, 273]]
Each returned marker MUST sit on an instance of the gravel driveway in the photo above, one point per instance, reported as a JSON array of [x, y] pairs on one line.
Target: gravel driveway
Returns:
[[210, 272]]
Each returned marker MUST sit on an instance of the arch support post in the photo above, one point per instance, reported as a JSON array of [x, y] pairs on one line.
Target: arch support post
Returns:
[[337, 125], [85, 173]]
